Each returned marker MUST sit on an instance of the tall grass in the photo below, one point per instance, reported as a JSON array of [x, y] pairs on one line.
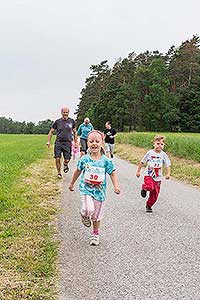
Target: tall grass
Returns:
[[183, 145], [17, 152], [27, 207]]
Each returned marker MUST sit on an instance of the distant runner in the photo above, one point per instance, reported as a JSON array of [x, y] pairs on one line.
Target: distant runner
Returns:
[[110, 134], [83, 131], [75, 150], [65, 131]]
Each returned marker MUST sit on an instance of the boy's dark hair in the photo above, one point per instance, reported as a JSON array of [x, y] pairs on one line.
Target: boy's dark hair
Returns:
[[109, 123]]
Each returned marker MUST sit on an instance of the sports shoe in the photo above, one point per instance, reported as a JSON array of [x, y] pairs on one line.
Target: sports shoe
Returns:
[[86, 221], [65, 168], [148, 209], [143, 193], [59, 176], [94, 240]]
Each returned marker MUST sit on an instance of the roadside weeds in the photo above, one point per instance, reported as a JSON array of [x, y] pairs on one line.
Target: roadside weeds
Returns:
[[29, 245]]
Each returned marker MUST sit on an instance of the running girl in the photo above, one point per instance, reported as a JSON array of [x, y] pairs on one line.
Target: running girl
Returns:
[[93, 168]]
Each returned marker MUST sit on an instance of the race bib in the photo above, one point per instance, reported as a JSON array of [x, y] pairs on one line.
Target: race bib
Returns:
[[94, 175], [155, 163]]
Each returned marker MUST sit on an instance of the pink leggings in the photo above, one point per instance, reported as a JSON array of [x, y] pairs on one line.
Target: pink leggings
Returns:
[[153, 187], [91, 208]]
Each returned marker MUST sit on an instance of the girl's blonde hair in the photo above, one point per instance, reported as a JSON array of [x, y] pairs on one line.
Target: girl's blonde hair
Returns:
[[102, 138]]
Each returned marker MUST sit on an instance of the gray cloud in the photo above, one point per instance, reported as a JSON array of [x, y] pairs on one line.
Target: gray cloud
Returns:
[[47, 47]]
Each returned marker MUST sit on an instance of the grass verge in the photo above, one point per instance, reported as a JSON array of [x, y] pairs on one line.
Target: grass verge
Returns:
[[183, 145], [28, 247], [182, 169]]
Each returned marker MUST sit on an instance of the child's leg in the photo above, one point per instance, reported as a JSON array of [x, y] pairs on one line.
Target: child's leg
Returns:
[[153, 195], [96, 226], [87, 206], [96, 218], [148, 184], [94, 239], [97, 215]]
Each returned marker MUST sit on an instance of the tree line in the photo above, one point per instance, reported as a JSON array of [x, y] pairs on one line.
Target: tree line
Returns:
[[10, 126], [150, 91]]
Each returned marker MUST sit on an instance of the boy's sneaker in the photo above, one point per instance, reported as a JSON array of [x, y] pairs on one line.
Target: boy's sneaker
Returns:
[[94, 240], [143, 193], [148, 209], [86, 221], [65, 168], [59, 176]]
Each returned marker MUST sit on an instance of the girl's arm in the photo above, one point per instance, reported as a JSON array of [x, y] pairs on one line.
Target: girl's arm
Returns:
[[75, 176], [114, 180]]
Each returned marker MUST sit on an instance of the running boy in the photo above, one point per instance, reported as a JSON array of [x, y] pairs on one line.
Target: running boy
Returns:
[[154, 159], [94, 167]]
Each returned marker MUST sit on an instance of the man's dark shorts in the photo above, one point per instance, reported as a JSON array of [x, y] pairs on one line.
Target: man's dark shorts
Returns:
[[84, 146], [62, 147]]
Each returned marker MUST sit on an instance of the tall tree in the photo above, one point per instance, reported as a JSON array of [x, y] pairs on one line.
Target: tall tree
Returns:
[[95, 84], [148, 91]]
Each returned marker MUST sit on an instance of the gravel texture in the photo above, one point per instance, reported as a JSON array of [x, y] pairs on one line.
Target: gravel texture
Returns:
[[140, 256]]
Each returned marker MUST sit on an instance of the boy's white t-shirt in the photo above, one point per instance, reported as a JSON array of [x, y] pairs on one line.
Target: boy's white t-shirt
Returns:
[[155, 161]]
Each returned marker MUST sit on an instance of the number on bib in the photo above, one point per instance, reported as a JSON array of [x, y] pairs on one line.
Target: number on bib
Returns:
[[94, 175]]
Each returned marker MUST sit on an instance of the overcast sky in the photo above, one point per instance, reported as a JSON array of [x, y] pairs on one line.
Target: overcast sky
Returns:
[[47, 46]]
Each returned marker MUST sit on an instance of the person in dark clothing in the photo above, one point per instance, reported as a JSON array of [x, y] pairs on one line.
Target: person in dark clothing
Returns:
[[110, 134], [65, 132]]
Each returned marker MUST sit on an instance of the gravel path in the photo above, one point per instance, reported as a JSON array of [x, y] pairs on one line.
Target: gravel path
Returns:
[[141, 256]]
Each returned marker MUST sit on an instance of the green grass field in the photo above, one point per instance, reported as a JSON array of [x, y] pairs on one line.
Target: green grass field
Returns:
[[17, 152], [27, 246], [29, 194], [183, 145]]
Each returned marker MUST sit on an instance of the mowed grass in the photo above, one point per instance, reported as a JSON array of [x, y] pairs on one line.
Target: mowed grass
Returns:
[[28, 208], [183, 149]]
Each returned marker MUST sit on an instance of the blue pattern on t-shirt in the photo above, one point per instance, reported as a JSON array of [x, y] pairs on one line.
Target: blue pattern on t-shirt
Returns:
[[96, 191]]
